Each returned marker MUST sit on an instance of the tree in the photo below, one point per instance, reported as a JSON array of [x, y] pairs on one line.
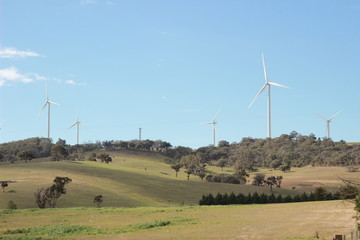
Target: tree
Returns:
[[349, 191], [40, 197], [279, 181], [241, 174], [61, 142], [91, 157], [104, 157], [59, 152], [50, 195], [189, 172], [26, 155], [4, 184], [201, 175], [285, 168], [221, 163], [98, 200], [259, 179], [223, 143], [271, 181], [57, 189], [176, 167], [320, 194]]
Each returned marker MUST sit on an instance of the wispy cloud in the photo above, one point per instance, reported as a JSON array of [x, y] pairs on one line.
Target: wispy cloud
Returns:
[[70, 82], [14, 53], [11, 76], [8, 76]]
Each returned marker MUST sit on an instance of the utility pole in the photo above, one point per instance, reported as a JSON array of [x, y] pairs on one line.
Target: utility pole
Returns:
[[140, 134]]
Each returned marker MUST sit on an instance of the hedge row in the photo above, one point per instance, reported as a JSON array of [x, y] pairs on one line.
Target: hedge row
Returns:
[[256, 198]]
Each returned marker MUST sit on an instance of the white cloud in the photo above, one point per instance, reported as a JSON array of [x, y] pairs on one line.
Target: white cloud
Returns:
[[14, 53], [12, 75], [71, 82]]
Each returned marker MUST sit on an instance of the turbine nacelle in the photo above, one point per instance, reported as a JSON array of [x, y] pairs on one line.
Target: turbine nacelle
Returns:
[[47, 103], [328, 122], [214, 124]]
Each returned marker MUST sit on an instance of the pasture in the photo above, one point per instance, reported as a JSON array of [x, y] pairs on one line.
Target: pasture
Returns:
[[289, 221], [139, 179]]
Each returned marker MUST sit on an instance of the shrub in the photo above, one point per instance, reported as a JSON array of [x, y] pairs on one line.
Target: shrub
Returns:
[[11, 205]]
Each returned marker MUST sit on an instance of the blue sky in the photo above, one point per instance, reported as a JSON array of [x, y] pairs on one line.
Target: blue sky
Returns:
[[167, 66]]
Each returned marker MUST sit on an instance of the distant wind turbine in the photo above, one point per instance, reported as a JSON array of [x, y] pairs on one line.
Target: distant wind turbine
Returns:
[[77, 124], [328, 123], [48, 103], [213, 123], [267, 84]]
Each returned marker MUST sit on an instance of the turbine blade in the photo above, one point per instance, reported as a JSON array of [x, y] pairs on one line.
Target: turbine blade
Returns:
[[41, 109], [72, 125], [263, 62], [53, 102], [217, 113], [322, 117], [278, 85], [335, 114], [206, 123], [258, 94]]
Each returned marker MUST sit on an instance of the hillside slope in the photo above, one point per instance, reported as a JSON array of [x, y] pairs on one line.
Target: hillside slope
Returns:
[[137, 179]]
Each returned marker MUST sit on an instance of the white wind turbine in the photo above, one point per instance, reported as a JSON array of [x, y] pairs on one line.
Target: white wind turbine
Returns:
[[77, 124], [214, 124], [328, 123], [267, 84], [48, 103]]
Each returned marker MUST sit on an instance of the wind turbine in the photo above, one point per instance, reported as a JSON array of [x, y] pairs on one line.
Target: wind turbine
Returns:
[[328, 123], [213, 123], [48, 103], [267, 85], [77, 123]]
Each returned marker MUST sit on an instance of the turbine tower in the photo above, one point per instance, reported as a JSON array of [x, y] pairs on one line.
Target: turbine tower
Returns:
[[267, 85], [214, 124], [328, 123], [77, 123], [48, 103]]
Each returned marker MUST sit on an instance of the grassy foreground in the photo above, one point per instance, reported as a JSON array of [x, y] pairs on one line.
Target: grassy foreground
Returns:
[[269, 221]]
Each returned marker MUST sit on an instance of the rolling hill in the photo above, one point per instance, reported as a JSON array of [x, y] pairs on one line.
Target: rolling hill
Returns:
[[139, 179]]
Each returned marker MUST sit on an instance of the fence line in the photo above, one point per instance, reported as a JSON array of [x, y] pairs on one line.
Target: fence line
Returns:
[[349, 236]]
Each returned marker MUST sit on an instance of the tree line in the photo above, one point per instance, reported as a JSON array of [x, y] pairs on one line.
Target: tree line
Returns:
[[31, 148], [283, 152], [319, 194]]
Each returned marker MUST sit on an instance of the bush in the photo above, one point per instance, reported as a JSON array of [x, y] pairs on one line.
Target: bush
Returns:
[[11, 205], [223, 178]]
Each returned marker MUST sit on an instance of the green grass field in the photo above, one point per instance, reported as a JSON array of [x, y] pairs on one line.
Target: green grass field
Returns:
[[138, 179], [268, 221]]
